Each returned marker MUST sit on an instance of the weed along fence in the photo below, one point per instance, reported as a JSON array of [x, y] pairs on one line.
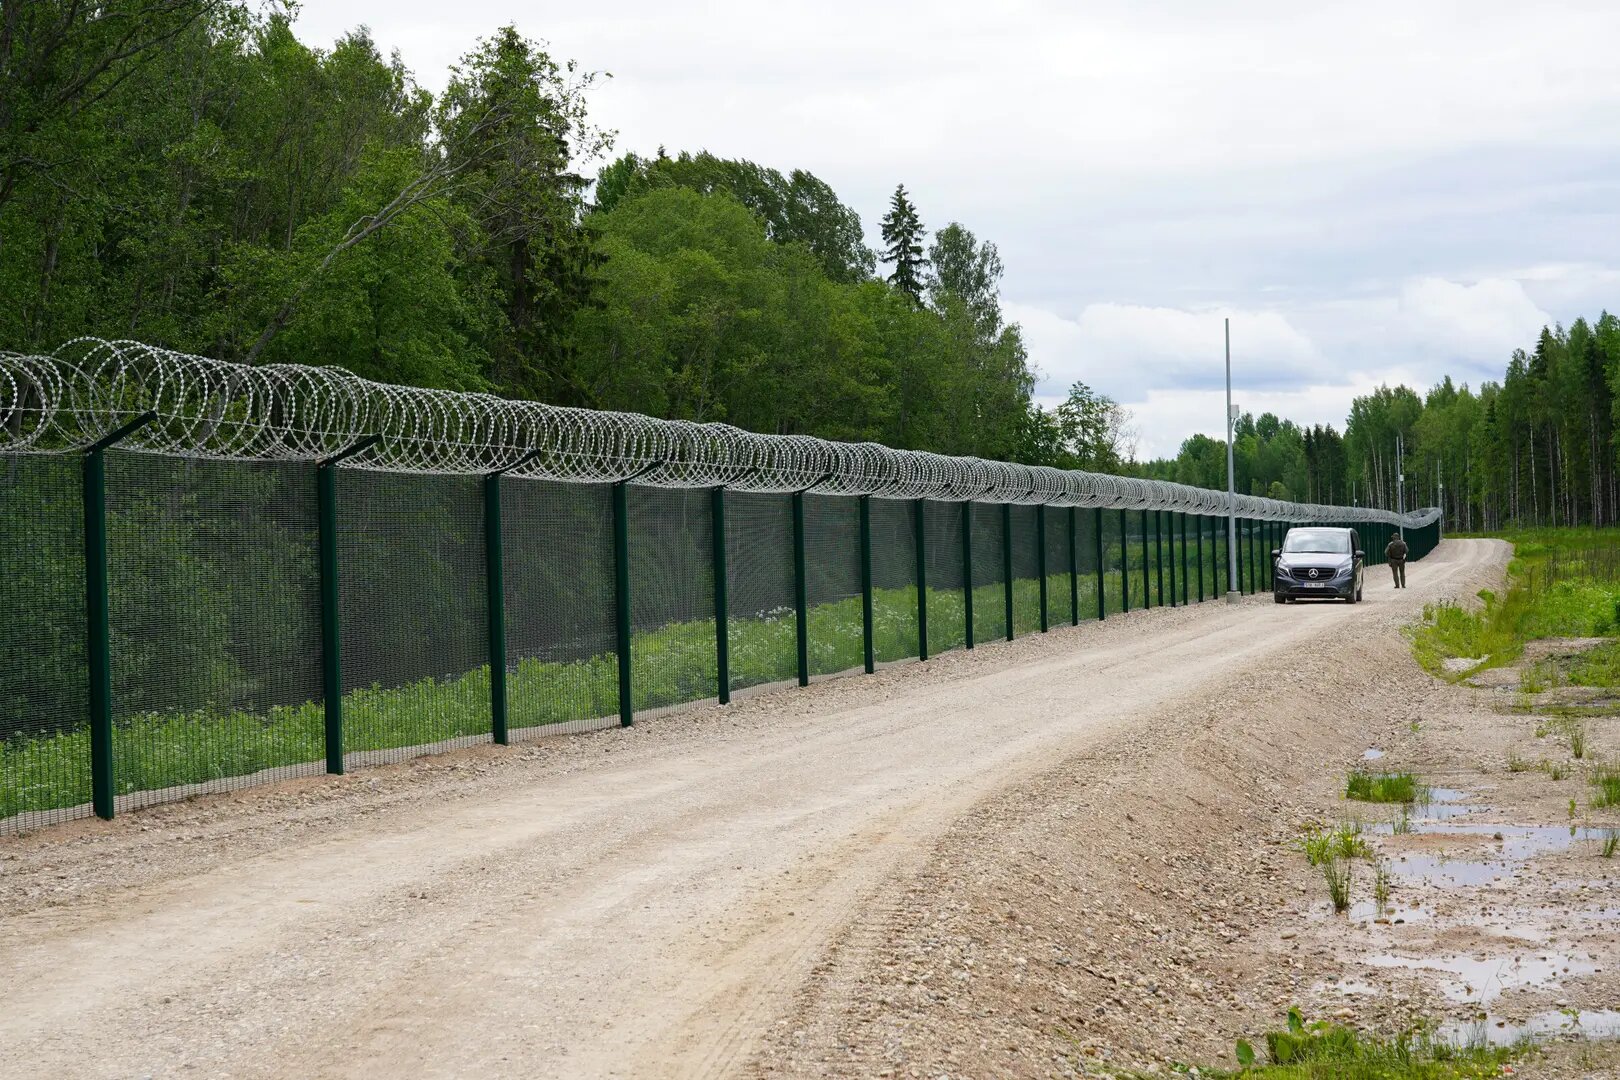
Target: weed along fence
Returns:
[[217, 575]]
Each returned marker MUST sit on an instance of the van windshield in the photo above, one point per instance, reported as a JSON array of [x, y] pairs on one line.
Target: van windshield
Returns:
[[1326, 541]]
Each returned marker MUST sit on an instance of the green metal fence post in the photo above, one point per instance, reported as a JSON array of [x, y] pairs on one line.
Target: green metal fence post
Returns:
[[495, 586], [1147, 570], [1074, 566], [1124, 561], [1186, 564], [1159, 559], [801, 582], [801, 591], [1102, 588], [866, 582], [331, 629], [1174, 592], [922, 581], [621, 597], [494, 580], [621, 591], [967, 570], [1007, 564], [722, 629], [98, 617], [1040, 557]]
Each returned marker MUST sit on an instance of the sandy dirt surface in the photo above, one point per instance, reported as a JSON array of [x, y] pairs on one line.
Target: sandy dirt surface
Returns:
[[792, 885]]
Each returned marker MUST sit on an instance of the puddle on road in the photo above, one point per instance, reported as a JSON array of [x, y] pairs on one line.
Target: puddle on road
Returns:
[[1557, 1023], [1366, 911], [1482, 979], [1444, 804], [1514, 841], [1448, 873]]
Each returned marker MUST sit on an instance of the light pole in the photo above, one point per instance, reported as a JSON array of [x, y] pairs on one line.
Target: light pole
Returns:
[[1400, 481], [1232, 594]]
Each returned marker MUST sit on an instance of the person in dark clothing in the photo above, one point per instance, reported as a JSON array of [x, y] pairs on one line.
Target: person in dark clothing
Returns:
[[1395, 555]]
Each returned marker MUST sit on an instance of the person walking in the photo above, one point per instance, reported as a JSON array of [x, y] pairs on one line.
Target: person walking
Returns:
[[1395, 555]]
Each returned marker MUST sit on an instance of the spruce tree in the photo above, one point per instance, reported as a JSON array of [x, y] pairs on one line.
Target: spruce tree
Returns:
[[903, 233]]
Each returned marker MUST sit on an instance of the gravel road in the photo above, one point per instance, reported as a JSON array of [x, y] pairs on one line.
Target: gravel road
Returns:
[[641, 903]]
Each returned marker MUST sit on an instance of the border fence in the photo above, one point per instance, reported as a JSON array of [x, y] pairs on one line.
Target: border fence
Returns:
[[218, 575]]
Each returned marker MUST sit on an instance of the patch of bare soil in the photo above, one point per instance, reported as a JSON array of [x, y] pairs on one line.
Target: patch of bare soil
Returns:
[[1143, 903]]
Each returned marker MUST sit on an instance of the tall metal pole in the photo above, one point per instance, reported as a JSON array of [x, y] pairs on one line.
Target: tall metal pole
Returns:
[[1231, 481], [1400, 478]]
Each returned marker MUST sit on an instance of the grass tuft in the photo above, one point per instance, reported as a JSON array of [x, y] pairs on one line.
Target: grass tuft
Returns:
[[1606, 778], [1322, 1050], [1343, 841], [1384, 787]]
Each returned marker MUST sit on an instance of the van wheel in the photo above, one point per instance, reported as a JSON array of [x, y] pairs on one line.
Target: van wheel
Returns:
[[1279, 598]]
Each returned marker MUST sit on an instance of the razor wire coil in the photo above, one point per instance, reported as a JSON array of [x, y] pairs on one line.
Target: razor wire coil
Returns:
[[216, 409]]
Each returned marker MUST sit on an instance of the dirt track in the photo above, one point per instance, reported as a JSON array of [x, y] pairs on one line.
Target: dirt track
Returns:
[[645, 903]]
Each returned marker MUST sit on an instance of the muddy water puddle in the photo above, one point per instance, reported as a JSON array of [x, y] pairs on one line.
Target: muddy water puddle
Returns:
[[1445, 872], [1553, 1024], [1478, 979]]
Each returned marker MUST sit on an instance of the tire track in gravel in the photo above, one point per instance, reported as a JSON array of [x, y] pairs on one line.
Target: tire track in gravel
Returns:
[[637, 915]]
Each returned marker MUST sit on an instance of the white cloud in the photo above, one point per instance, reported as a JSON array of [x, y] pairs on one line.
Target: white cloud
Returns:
[[1402, 191], [1493, 316], [1126, 349]]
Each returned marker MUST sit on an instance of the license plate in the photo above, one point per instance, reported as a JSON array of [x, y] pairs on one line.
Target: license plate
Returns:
[[1316, 584]]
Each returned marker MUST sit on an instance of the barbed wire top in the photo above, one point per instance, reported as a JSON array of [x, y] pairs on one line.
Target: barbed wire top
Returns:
[[287, 412]]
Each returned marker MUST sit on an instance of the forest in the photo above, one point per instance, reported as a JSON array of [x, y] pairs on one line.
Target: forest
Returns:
[[1536, 448], [189, 173]]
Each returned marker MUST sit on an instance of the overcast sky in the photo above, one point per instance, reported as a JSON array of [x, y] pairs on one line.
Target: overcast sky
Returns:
[[1407, 191]]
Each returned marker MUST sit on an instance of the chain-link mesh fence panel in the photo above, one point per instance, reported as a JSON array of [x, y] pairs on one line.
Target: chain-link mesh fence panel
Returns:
[[763, 646], [213, 593], [947, 610], [832, 559], [1177, 553], [672, 655], [1162, 554], [1198, 552], [413, 601], [894, 580], [989, 590], [1133, 562], [557, 569], [1084, 523], [1026, 570], [1114, 547], [1059, 595], [1182, 561], [44, 705]]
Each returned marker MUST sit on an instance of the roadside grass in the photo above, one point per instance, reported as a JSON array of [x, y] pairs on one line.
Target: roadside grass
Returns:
[[1596, 667], [1343, 841], [1339, 873], [1381, 886], [1606, 778], [1322, 1050], [1384, 787], [671, 665], [1561, 583]]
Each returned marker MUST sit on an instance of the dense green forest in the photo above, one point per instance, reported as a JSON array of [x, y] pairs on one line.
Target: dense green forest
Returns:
[[1536, 448], [188, 173]]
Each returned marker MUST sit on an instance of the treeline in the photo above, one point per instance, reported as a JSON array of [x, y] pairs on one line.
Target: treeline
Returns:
[[1536, 448], [188, 173]]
